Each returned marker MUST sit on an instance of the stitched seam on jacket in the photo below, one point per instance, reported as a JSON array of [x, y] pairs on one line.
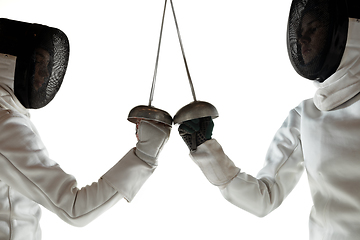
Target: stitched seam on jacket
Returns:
[[128, 199], [290, 155], [273, 183], [10, 215], [71, 217]]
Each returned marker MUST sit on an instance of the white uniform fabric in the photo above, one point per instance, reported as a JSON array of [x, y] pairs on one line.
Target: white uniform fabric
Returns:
[[325, 143], [344, 83], [28, 177]]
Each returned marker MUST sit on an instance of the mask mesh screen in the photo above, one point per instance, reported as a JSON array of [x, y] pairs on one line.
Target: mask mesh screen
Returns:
[[309, 36], [49, 63]]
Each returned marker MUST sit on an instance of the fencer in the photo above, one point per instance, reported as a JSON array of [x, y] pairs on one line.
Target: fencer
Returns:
[[33, 61], [321, 135]]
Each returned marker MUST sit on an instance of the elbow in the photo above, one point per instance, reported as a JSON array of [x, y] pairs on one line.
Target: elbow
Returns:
[[261, 214], [76, 222], [257, 208], [79, 224]]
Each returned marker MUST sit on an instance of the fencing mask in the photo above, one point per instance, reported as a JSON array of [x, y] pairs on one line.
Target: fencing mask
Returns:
[[42, 55], [317, 34]]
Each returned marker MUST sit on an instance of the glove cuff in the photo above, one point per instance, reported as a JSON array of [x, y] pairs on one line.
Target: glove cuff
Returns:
[[214, 163], [128, 175]]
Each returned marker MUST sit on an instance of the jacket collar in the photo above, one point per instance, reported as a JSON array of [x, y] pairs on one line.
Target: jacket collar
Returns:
[[8, 99], [344, 84]]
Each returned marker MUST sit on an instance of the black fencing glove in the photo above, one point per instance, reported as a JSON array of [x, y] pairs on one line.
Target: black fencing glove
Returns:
[[196, 131]]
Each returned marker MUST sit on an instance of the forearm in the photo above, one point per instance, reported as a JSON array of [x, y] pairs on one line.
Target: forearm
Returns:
[[258, 195], [214, 163], [57, 191], [249, 194], [89, 203], [128, 175]]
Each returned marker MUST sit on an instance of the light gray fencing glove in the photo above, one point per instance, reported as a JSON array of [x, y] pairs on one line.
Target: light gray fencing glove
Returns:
[[151, 136]]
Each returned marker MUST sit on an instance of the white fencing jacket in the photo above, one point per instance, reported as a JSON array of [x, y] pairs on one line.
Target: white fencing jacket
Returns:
[[326, 143], [28, 177]]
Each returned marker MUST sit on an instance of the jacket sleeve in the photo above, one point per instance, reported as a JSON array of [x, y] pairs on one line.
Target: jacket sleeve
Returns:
[[282, 170], [27, 168]]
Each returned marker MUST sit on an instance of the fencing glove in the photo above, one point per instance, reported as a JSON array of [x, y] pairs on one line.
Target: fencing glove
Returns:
[[206, 152], [151, 136], [196, 131]]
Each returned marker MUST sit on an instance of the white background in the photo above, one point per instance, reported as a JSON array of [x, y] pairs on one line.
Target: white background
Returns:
[[236, 51]]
